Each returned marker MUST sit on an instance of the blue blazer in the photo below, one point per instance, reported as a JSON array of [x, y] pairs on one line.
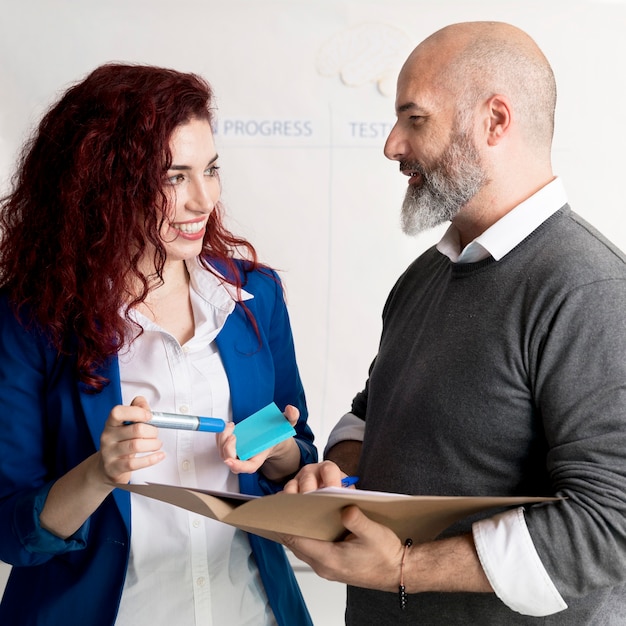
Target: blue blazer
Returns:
[[49, 423]]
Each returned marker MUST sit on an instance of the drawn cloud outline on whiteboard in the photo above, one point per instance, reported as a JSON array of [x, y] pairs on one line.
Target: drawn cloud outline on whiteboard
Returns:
[[367, 53]]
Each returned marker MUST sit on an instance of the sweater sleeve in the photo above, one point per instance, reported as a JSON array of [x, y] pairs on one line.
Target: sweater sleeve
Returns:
[[579, 381]]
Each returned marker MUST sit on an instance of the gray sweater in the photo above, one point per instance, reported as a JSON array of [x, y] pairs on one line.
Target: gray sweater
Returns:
[[509, 378]]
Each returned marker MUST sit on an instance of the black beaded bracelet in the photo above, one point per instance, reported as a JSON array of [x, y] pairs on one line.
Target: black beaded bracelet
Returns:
[[402, 595]]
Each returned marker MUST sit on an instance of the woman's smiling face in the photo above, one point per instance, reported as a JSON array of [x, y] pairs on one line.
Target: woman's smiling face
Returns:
[[192, 187]]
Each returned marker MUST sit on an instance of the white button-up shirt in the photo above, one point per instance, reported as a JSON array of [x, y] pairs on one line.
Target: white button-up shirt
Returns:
[[186, 569]]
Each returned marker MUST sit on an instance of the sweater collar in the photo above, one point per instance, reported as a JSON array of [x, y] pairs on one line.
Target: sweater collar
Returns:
[[509, 231]]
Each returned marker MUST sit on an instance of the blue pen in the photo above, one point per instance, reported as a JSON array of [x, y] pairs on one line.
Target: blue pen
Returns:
[[349, 480], [187, 422]]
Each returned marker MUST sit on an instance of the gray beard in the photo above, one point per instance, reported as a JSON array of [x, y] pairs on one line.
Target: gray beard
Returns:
[[454, 180]]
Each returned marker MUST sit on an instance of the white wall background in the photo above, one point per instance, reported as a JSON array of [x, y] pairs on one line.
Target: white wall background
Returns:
[[306, 97]]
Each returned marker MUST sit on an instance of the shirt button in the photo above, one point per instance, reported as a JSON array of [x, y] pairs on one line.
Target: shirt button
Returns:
[[183, 408], [186, 465], [196, 523], [200, 581]]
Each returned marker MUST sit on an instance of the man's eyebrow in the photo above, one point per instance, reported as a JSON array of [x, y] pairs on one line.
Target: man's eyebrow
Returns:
[[183, 168], [410, 106]]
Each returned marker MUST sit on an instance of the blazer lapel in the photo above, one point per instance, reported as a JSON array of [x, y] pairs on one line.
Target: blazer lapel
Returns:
[[239, 347]]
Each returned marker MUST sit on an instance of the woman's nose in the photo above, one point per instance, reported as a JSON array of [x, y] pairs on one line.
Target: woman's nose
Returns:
[[204, 195]]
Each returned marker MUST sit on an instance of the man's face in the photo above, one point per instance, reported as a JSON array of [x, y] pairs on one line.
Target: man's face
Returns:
[[433, 142], [442, 188]]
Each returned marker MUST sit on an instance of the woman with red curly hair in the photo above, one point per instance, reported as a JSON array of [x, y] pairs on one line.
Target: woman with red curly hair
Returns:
[[123, 292]]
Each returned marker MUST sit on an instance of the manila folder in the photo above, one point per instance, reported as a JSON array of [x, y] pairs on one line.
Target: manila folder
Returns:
[[317, 514]]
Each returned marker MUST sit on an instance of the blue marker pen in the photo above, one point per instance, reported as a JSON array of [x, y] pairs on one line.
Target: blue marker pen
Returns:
[[187, 422], [349, 480]]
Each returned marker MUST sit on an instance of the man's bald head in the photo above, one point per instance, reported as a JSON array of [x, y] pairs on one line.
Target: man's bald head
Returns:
[[475, 60]]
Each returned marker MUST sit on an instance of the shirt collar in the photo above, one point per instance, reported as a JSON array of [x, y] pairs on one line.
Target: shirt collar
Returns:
[[212, 297], [213, 300], [509, 231], [213, 288]]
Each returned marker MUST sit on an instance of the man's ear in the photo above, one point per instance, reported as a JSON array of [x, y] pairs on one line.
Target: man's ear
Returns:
[[499, 118]]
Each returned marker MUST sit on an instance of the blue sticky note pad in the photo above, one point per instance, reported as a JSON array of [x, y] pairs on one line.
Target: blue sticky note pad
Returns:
[[262, 430]]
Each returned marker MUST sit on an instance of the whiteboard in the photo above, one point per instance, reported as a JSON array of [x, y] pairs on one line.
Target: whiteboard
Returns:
[[305, 91], [306, 97]]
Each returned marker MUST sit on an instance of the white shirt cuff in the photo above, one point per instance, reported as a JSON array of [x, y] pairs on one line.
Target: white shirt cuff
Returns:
[[348, 428], [513, 567]]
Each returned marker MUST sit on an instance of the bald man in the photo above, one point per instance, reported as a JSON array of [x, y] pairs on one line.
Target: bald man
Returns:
[[501, 368]]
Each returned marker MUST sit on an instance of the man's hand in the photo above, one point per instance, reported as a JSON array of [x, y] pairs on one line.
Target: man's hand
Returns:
[[315, 476], [369, 557]]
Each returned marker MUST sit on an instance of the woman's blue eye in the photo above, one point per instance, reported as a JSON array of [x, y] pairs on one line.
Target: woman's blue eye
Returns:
[[212, 170]]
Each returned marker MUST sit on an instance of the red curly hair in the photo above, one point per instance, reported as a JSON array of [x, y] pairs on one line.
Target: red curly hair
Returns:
[[87, 197]]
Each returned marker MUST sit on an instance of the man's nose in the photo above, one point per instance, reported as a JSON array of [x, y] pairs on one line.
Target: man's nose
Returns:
[[395, 146]]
